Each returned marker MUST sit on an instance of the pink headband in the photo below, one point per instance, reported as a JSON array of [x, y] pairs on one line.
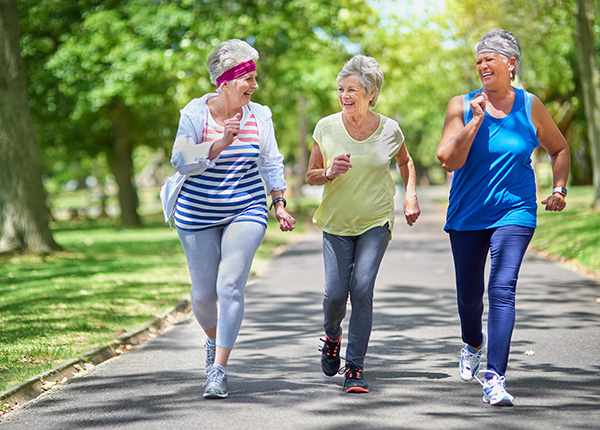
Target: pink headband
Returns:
[[236, 71]]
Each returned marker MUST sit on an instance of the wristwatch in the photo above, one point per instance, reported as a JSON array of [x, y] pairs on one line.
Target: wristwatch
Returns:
[[561, 190]]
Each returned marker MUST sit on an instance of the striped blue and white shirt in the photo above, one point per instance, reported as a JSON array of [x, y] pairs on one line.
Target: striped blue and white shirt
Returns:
[[231, 190]]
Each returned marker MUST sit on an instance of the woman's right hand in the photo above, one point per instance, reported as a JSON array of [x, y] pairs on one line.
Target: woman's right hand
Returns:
[[231, 128], [478, 106], [341, 164]]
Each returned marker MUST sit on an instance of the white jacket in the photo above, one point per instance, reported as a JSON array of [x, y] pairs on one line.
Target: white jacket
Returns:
[[191, 158]]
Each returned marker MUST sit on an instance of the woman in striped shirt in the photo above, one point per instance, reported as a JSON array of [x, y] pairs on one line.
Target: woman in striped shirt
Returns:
[[224, 149]]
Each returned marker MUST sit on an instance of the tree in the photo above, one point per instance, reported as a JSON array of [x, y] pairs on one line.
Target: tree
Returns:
[[590, 83], [111, 75], [25, 216]]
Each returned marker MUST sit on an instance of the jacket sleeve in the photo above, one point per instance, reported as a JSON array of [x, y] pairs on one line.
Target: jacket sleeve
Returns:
[[190, 155], [270, 162]]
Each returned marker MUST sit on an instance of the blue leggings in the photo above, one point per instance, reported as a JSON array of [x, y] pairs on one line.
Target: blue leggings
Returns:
[[507, 246]]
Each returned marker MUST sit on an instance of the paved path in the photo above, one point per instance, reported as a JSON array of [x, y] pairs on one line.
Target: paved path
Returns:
[[274, 375]]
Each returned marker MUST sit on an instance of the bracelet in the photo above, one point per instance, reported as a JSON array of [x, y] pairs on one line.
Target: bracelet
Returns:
[[327, 177], [277, 200]]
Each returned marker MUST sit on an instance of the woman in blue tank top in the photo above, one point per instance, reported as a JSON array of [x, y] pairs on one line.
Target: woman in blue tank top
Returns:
[[487, 141]]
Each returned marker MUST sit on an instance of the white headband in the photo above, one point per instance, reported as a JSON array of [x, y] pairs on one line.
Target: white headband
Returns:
[[500, 51]]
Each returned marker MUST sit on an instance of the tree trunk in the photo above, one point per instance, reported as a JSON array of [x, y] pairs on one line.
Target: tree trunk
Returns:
[[25, 216], [121, 165], [590, 83]]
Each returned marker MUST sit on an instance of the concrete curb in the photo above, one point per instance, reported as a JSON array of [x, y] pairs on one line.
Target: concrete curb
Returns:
[[33, 387]]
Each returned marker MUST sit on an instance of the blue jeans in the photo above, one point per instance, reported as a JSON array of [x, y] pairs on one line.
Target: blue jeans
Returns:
[[507, 246], [351, 266]]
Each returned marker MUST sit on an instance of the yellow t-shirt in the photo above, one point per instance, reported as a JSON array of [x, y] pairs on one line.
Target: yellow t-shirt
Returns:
[[363, 197]]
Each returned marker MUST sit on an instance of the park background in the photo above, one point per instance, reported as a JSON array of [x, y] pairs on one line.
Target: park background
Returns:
[[90, 93]]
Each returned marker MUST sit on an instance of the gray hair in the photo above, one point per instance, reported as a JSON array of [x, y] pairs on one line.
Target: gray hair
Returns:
[[227, 55], [501, 42], [369, 74]]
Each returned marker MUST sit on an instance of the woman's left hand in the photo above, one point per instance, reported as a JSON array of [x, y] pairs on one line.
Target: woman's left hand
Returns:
[[286, 221], [411, 210], [555, 203]]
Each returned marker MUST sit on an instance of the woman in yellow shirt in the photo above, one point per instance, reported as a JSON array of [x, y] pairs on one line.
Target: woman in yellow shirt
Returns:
[[351, 156]]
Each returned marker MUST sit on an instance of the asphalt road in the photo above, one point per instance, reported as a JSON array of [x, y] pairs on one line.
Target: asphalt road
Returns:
[[275, 381]]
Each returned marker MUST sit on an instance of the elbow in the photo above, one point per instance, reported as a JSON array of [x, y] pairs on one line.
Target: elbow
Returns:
[[448, 168], [450, 163], [444, 162]]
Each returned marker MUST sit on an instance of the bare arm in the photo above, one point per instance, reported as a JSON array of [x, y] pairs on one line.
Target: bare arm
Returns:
[[457, 137], [409, 179], [552, 140], [317, 174]]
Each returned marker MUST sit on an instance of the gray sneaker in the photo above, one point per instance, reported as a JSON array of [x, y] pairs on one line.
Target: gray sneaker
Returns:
[[211, 352], [216, 384]]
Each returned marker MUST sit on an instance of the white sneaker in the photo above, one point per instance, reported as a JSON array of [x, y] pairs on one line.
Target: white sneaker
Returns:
[[470, 361], [494, 392], [216, 384]]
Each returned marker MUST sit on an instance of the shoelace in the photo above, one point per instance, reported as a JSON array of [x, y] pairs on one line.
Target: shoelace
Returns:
[[215, 375], [211, 352], [499, 379], [353, 371], [470, 356], [331, 349]]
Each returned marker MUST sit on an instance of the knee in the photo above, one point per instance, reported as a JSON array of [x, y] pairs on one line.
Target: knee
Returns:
[[335, 300], [202, 299], [361, 298], [231, 293], [502, 294]]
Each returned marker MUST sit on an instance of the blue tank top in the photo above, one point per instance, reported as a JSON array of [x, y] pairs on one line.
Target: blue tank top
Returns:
[[496, 185]]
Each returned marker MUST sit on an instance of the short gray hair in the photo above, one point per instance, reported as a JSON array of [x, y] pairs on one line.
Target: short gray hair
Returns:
[[227, 55], [501, 42], [369, 74]]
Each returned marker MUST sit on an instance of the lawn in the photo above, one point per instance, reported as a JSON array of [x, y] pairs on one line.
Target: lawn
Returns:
[[573, 234], [107, 281]]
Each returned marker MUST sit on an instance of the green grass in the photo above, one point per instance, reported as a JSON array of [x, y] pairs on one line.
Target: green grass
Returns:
[[573, 234], [107, 281]]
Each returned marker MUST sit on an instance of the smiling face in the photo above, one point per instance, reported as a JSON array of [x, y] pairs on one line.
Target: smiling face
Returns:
[[239, 91], [493, 70], [351, 94]]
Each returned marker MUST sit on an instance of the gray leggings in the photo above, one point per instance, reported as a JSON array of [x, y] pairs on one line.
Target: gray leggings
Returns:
[[219, 260]]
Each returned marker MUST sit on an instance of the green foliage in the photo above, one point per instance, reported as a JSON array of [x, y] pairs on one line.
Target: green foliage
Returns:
[[91, 62]]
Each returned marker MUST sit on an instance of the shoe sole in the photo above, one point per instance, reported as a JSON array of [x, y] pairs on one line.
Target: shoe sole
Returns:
[[357, 390], [330, 374], [504, 402], [213, 395]]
